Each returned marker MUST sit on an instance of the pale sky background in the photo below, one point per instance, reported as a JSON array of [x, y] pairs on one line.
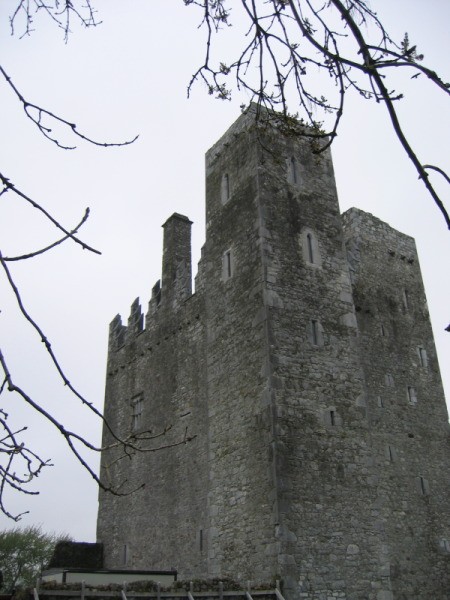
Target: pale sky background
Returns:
[[129, 76]]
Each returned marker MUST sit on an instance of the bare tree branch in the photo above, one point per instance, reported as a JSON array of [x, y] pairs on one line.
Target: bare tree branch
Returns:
[[284, 41], [15, 451], [59, 12], [10, 186], [286, 38], [438, 170], [15, 455], [37, 115], [51, 246]]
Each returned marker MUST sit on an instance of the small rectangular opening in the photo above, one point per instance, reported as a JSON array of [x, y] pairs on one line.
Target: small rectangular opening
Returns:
[[125, 555], [225, 188], [309, 243], [423, 357], [424, 486], [389, 380], [137, 409], [405, 299], [390, 453], [227, 264], [315, 332], [332, 417], [412, 398], [294, 170]]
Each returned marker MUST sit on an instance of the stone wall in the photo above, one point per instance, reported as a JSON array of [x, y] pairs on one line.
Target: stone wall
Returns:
[[407, 416], [156, 382], [242, 497], [325, 481], [304, 366]]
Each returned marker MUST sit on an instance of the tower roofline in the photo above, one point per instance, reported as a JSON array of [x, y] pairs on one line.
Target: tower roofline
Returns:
[[178, 217]]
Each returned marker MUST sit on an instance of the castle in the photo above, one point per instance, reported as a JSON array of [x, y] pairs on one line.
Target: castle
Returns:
[[305, 367]]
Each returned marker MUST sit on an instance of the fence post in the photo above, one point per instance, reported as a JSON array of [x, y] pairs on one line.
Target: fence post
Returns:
[[247, 593], [123, 591]]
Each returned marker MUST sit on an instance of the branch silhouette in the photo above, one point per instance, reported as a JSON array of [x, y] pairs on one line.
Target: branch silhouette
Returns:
[[37, 115], [283, 42], [285, 39]]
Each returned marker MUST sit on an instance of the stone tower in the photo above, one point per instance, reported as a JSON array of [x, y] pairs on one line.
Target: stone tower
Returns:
[[304, 365]]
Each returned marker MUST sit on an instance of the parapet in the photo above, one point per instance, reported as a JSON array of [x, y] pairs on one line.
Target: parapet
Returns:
[[363, 229], [171, 291], [357, 223]]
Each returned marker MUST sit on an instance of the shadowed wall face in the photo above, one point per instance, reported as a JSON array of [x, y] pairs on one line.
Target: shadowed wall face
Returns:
[[79, 555]]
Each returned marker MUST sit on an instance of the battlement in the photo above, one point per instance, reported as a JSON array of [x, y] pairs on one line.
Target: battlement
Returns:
[[172, 292]]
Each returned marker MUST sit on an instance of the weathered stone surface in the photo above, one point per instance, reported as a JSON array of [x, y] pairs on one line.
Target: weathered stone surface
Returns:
[[304, 364]]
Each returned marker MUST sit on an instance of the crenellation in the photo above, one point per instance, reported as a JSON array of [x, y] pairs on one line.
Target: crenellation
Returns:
[[155, 300], [135, 320], [117, 333], [304, 368]]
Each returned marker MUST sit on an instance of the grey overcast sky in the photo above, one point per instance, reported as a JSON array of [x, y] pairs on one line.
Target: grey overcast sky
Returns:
[[129, 76]]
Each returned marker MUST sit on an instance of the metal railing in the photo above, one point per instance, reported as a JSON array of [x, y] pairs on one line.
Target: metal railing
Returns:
[[158, 594]]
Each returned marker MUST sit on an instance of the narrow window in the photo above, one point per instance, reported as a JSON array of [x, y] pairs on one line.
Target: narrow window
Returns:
[[137, 407], [423, 486], [423, 357], [125, 555], [225, 188], [200, 539], [315, 333], [389, 380], [309, 243], [390, 453], [380, 402], [310, 248], [383, 331], [227, 265], [405, 299], [412, 398], [294, 176], [332, 417]]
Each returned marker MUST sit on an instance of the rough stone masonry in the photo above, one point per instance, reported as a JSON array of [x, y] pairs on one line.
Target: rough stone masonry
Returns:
[[305, 367]]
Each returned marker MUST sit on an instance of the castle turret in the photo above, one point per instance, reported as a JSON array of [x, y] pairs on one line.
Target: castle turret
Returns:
[[304, 371]]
